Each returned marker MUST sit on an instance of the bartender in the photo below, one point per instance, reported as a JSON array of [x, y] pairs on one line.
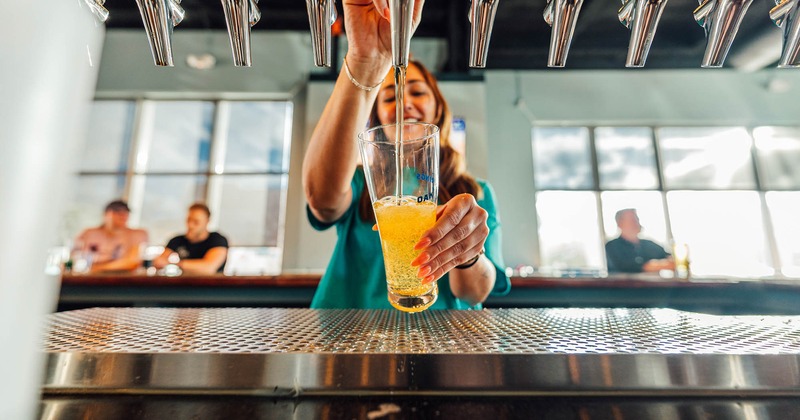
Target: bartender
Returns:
[[462, 251]]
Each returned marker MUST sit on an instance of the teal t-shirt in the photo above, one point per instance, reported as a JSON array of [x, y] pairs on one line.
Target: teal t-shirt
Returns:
[[356, 277]]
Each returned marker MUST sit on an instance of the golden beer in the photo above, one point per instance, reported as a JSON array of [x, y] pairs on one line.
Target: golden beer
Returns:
[[401, 223]]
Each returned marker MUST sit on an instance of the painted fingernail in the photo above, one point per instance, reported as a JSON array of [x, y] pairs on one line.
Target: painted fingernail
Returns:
[[427, 280], [421, 259], [424, 242], [423, 271]]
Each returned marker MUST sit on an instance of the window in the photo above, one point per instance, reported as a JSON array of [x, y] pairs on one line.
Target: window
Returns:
[[162, 156], [732, 194]]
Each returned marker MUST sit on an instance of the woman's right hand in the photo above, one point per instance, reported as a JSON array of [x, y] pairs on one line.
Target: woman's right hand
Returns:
[[369, 32]]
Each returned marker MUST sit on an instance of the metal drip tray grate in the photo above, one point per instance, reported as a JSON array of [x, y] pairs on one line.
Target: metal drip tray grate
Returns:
[[291, 352], [137, 330]]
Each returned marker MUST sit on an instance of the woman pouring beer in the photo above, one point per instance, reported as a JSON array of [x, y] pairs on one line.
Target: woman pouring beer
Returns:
[[461, 253]]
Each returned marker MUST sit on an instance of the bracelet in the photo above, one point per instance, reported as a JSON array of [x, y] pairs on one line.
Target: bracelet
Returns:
[[471, 262], [355, 82]]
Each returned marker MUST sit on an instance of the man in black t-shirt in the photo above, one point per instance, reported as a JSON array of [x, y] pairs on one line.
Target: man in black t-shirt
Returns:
[[200, 251], [629, 254]]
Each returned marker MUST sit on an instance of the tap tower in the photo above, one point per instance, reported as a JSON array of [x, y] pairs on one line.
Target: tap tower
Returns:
[[160, 17], [240, 15], [721, 20], [641, 17], [321, 15], [481, 16], [786, 14], [561, 15]]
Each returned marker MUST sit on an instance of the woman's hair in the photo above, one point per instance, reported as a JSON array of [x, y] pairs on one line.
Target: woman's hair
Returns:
[[453, 176]]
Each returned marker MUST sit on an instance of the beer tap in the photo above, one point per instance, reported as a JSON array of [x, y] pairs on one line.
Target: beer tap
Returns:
[[160, 17], [240, 15], [481, 15], [99, 12], [562, 16], [321, 15], [641, 17], [786, 15], [721, 20], [401, 13]]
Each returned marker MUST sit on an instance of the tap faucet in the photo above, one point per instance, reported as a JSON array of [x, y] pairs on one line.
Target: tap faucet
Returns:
[[401, 13], [240, 15], [160, 17], [786, 15], [721, 20], [99, 12], [641, 17], [321, 15], [481, 15], [561, 15]]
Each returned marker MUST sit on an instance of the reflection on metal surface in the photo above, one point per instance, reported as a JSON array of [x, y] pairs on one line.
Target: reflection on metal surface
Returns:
[[291, 352], [99, 12], [562, 16], [720, 19], [481, 16], [134, 408], [401, 13], [160, 17], [785, 14], [641, 17], [321, 15], [240, 15]]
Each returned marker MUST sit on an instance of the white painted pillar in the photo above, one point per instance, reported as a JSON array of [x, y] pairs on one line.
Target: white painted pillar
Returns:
[[49, 56]]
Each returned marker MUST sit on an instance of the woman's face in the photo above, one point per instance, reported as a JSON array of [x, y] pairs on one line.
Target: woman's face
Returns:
[[420, 104]]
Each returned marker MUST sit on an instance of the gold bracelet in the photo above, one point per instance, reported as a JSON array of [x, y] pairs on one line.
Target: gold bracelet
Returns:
[[355, 82]]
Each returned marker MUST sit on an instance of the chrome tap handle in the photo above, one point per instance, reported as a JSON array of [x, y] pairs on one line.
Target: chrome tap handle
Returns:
[[720, 19], [159, 18], [561, 15], [401, 14], [321, 15], [481, 16], [240, 15], [641, 17], [786, 14]]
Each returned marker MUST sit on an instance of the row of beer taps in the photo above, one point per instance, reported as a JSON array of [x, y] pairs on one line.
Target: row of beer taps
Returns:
[[719, 18]]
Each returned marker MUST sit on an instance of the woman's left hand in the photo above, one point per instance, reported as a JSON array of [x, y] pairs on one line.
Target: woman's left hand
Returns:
[[457, 237]]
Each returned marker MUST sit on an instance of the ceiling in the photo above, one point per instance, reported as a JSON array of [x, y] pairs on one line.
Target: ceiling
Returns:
[[521, 38]]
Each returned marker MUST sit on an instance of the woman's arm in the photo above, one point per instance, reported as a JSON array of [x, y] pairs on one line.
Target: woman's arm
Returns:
[[332, 152], [209, 264]]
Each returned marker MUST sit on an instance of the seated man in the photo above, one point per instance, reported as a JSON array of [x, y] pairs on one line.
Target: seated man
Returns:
[[200, 251], [629, 254], [113, 245]]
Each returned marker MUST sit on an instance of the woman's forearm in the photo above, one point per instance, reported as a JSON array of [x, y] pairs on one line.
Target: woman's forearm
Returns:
[[332, 152], [473, 284]]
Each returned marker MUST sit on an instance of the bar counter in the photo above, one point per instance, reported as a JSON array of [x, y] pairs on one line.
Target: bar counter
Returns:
[[507, 363], [716, 296]]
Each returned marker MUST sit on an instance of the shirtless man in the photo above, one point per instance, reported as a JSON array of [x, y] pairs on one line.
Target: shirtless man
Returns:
[[113, 245]]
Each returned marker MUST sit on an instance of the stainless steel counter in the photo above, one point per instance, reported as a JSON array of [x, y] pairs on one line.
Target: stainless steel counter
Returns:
[[346, 353]]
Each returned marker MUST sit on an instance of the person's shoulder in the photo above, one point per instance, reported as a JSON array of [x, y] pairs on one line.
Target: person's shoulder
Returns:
[[614, 242], [217, 239]]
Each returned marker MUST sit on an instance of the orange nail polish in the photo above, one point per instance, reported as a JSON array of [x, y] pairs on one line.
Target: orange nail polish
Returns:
[[422, 243], [423, 271]]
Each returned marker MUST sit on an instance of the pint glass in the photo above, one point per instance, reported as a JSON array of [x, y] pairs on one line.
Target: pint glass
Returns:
[[403, 182]]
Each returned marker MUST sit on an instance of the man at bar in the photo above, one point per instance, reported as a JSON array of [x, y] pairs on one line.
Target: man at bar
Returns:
[[200, 251], [113, 246], [630, 254]]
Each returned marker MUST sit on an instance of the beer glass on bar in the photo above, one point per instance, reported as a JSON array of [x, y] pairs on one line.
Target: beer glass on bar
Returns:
[[403, 182]]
